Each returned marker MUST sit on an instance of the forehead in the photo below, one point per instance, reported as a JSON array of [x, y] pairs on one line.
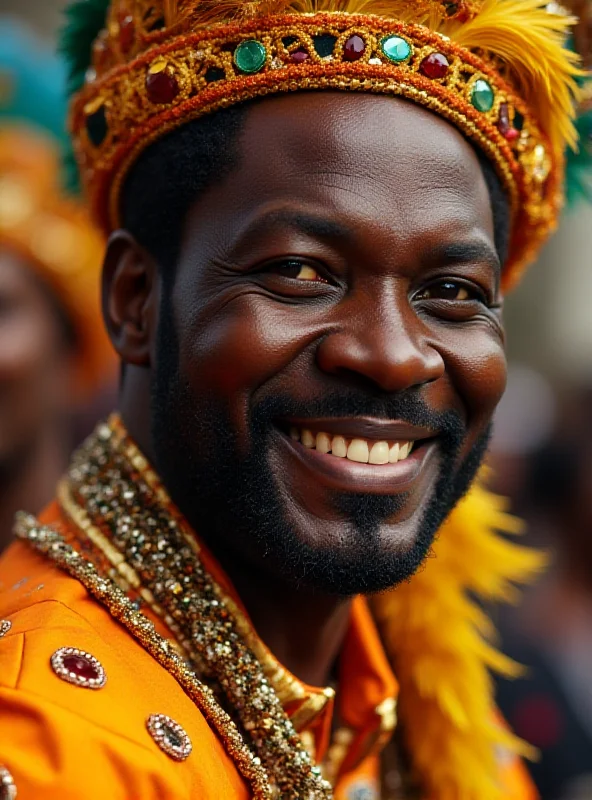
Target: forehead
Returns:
[[379, 162]]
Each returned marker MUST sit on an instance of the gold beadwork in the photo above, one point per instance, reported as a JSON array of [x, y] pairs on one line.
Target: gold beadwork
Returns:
[[134, 121], [50, 543], [137, 531]]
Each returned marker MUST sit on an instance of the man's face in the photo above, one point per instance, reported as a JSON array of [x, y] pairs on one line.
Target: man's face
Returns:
[[337, 291]]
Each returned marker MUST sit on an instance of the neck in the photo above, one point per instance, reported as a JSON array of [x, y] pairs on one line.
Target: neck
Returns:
[[28, 480], [303, 630]]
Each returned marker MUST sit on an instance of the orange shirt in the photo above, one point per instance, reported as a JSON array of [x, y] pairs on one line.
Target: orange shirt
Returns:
[[59, 740]]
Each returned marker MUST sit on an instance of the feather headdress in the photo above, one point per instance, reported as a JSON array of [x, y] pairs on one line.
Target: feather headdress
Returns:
[[498, 70]]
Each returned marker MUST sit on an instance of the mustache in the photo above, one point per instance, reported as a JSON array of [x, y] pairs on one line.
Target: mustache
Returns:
[[407, 406]]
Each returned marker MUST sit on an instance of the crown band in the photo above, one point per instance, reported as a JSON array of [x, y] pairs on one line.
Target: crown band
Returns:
[[120, 112]]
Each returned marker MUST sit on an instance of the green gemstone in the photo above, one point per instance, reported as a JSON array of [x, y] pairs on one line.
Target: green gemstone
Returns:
[[482, 96], [395, 48], [250, 56]]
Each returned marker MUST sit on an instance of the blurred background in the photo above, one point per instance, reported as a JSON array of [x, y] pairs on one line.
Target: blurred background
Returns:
[[541, 450]]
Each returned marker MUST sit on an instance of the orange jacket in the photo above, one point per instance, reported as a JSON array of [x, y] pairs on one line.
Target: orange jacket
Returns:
[[63, 741]]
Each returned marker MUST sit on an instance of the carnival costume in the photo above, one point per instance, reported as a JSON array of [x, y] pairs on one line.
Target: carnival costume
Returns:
[[500, 72]]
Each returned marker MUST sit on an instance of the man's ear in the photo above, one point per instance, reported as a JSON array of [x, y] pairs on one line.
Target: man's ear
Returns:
[[130, 295]]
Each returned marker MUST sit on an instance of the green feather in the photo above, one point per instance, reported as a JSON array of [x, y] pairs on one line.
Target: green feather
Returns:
[[578, 178], [84, 20]]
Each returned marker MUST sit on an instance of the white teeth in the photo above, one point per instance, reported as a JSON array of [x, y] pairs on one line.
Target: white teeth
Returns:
[[394, 453], [358, 451], [379, 453], [323, 443], [308, 440], [339, 447], [363, 451]]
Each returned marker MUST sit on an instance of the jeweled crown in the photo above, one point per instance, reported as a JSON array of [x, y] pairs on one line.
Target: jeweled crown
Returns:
[[498, 70]]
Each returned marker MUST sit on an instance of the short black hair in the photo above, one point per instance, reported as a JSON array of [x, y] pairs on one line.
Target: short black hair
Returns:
[[175, 170]]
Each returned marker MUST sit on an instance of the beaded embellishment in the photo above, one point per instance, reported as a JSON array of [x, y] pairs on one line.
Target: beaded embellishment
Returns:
[[5, 626], [180, 73], [78, 667], [169, 736], [121, 507]]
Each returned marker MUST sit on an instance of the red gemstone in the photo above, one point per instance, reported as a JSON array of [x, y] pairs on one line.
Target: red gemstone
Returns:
[[299, 56], [504, 125], [81, 666], [354, 48], [101, 55], [435, 65], [161, 87], [127, 32]]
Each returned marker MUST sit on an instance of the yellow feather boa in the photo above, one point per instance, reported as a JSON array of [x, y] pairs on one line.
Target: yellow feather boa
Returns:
[[439, 640]]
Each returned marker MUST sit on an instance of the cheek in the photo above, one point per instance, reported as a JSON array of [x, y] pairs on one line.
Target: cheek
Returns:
[[229, 352], [28, 346], [477, 367]]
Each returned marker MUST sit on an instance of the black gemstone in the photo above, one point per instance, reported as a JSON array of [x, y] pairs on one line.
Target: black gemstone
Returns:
[[288, 40], [324, 44], [96, 126], [215, 74], [518, 120], [451, 8], [172, 736]]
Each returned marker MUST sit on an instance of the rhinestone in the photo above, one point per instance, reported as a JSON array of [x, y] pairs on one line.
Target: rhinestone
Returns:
[[78, 667], [376, 62], [161, 87], [395, 48], [169, 736], [7, 786], [250, 56], [434, 66], [5, 626], [299, 56], [482, 96], [354, 48]]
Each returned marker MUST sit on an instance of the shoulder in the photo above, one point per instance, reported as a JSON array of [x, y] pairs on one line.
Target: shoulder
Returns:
[[66, 740]]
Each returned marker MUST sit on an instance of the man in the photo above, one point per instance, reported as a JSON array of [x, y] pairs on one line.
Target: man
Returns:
[[53, 353], [304, 285]]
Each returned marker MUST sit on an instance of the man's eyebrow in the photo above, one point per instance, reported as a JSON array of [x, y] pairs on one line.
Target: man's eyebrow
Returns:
[[311, 224], [466, 253]]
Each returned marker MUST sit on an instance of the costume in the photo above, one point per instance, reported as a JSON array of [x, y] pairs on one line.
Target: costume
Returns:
[[133, 608]]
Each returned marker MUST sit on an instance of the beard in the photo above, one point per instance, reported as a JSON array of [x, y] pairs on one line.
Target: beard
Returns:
[[234, 501]]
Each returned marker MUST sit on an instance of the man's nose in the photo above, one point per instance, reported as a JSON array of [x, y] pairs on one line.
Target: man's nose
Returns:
[[384, 343]]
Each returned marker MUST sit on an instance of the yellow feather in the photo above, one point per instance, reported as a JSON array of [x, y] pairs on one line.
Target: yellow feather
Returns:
[[433, 628]]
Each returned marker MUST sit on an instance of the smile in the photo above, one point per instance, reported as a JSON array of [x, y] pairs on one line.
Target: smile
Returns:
[[361, 454], [363, 451]]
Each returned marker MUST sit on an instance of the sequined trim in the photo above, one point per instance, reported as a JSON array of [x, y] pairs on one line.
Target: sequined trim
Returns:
[[169, 736], [47, 541], [117, 500], [5, 626], [7, 785]]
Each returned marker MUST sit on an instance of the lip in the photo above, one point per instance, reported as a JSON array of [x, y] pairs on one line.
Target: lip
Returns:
[[344, 475], [363, 428]]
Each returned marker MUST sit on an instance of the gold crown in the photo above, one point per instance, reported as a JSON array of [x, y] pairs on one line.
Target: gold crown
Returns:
[[498, 70]]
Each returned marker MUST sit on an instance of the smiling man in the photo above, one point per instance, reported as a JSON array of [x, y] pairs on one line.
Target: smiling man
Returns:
[[314, 216]]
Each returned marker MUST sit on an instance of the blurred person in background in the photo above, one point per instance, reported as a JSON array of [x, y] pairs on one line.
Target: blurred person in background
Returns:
[[54, 354], [543, 459], [551, 633]]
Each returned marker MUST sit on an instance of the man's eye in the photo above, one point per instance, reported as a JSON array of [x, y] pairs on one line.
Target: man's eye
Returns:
[[297, 270], [449, 290]]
